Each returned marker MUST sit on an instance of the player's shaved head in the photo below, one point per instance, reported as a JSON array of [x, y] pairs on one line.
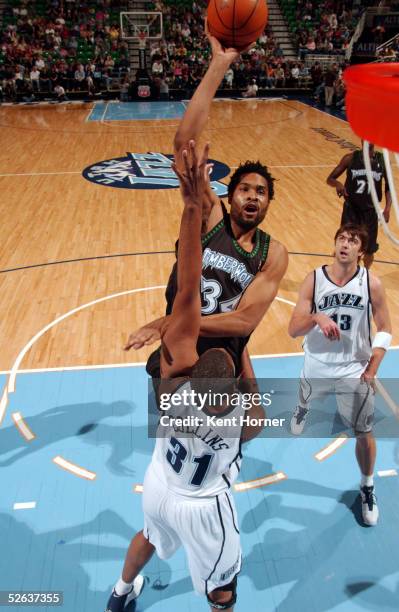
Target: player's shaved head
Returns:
[[214, 363]]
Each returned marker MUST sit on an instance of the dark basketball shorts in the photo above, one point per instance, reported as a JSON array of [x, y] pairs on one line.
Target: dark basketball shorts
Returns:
[[367, 217]]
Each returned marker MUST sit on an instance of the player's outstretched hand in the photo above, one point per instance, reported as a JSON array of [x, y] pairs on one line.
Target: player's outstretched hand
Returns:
[[368, 377], [195, 177], [229, 55], [142, 337], [329, 328]]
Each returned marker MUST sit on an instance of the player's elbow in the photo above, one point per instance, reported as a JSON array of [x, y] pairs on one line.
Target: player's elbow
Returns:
[[245, 326]]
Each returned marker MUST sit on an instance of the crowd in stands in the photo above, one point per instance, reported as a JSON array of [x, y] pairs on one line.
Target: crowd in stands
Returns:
[[61, 43], [182, 59], [61, 46], [326, 26]]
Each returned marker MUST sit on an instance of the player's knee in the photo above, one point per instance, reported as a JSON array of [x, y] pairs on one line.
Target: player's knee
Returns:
[[224, 597], [364, 437]]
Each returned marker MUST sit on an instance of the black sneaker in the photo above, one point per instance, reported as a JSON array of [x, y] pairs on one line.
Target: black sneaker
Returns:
[[298, 420], [118, 603], [369, 506]]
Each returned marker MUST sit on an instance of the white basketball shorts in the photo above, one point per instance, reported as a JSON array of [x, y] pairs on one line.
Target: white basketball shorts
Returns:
[[207, 528], [355, 399]]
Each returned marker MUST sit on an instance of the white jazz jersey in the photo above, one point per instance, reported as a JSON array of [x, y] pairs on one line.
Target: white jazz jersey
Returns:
[[350, 307], [197, 459]]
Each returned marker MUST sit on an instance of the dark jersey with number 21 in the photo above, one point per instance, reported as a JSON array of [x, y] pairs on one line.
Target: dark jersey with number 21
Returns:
[[227, 271], [356, 180]]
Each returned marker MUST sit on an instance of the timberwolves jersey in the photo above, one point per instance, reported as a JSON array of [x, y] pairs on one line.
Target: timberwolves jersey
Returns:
[[227, 271], [206, 458], [356, 183], [350, 307]]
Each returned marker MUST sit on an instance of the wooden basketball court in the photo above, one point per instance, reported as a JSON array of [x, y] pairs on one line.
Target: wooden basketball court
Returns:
[[101, 241], [83, 263]]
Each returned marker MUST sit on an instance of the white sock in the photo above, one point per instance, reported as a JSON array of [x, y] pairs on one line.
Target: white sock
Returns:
[[122, 587], [367, 481]]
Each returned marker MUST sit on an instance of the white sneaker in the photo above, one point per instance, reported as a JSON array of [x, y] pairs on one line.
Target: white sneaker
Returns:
[[117, 603], [369, 506], [298, 420], [138, 585]]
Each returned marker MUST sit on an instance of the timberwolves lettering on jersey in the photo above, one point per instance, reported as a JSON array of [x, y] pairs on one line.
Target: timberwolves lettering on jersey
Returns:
[[227, 270], [350, 307], [356, 183]]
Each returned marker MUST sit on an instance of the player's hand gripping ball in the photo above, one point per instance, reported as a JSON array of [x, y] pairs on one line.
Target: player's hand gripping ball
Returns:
[[237, 23]]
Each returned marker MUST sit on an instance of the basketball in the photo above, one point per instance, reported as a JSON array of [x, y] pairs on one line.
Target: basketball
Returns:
[[237, 23]]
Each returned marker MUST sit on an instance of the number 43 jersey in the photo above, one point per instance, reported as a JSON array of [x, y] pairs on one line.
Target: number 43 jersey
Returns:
[[350, 307]]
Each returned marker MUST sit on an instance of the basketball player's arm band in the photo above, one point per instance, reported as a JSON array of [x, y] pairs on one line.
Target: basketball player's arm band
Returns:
[[382, 340]]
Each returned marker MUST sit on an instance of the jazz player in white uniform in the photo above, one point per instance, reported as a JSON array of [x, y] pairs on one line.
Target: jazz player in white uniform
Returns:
[[187, 500], [334, 313]]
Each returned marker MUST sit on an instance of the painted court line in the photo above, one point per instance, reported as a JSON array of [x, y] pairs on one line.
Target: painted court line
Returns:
[[78, 368], [104, 113], [38, 173], [4, 174], [383, 473], [24, 505], [91, 112], [10, 386], [387, 398], [73, 468], [260, 482], [331, 448], [319, 110], [139, 364], [22, 427]]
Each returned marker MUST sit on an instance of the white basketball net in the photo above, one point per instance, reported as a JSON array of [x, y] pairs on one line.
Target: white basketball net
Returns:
[[392, 189], [142, 33]]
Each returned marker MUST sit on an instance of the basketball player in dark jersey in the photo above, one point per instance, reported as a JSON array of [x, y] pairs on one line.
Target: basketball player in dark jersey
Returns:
[[358, 206], [180, 510], [242, 266]]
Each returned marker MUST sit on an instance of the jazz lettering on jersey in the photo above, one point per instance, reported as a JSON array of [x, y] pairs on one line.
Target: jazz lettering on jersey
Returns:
[[236, 269], [349, 300]]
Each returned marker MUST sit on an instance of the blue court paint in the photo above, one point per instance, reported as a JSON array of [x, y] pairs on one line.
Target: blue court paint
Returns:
[[304, 547], [97, 111], [136, 111]]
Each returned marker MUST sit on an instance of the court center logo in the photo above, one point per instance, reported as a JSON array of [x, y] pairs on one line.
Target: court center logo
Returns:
[[147, 171]]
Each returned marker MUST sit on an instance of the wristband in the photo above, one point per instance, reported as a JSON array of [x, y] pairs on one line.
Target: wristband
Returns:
[[382, 340]]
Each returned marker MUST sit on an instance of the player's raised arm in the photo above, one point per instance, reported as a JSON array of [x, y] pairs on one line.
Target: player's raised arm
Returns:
[[303, 318], [180, 336], [194, 120]]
